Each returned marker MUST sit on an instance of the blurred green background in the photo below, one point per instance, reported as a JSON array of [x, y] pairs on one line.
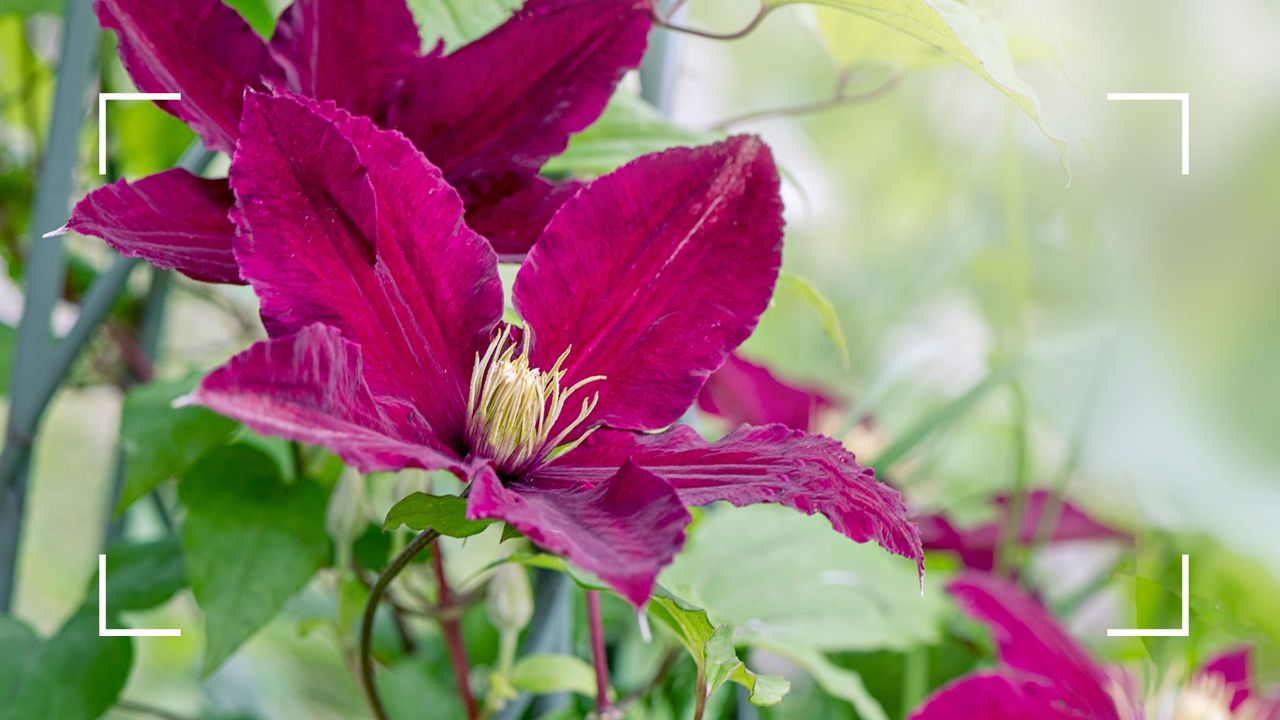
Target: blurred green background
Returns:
[[1112, 331]]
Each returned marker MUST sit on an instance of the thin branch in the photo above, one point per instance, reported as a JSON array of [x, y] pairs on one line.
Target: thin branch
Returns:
[[598, 654], [839, 97], [401, 561], [452, 630], [665, 22]]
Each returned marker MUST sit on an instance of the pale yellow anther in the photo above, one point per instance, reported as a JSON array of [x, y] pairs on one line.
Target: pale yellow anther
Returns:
[[512, 408]]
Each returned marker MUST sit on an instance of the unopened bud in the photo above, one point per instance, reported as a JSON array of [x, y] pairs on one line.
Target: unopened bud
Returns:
[[510, 601]]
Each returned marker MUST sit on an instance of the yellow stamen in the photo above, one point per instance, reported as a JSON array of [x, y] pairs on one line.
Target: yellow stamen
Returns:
[[512, 408]]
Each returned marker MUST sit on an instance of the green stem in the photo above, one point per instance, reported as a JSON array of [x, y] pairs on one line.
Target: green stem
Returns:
[[423, 541], [915, 678], [45, 271], [1010, 541]]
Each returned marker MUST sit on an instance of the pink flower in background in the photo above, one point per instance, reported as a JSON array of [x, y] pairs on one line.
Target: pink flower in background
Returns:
[[488, 114], [744, 392], [387, 344], [1044, 674], [977, 545]]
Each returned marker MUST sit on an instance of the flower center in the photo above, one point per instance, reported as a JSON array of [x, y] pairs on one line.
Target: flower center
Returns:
[[513, 408], [1208, 698]]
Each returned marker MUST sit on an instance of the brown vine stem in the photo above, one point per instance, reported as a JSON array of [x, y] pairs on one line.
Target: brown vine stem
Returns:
[[841, 96], [452, 629], [423, 541], [761, 14], [596, 624]]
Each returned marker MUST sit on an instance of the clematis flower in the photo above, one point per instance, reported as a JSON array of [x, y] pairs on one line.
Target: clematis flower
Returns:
[[1044, 674], [745, 392], [976, 546], [387, 345], [488, 115]]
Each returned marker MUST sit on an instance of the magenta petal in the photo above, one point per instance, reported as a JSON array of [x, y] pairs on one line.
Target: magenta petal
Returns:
[[353, 52], [1233, 668], [996, 696], [626, 529], [1030, 640], [745, 393], [510, 100], [977, 545], [653, 273], [172, 220], [200, 48], [770, 464], [310, 387], [348, 225], [511, 211]]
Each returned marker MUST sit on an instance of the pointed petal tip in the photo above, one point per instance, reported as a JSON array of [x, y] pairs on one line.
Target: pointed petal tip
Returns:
[[191, 399], [55, 233]]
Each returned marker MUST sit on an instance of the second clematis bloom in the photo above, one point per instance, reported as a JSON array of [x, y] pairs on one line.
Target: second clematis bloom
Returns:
[[387, 343], [1045, 674], [745, 392], [488, 114]]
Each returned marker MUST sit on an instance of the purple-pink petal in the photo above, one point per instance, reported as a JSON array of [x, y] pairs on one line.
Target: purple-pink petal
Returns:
[[510, 100], [311, 387], [625, 529], [977, 545], [998, 696], [1233, 668], [172, 219], [743, 392], [770, 464], [348, 225], [513, 209], [199, 48], [1031, 642], [652, 274], [352, 52]]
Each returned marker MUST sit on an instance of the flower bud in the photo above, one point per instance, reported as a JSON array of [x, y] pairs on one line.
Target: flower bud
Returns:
[[510, 600]]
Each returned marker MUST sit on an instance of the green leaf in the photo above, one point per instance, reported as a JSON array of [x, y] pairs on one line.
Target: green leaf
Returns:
[[711, 648], [160, 441], [784, 577], [943, 417], [251, 541], [544, 674], [141, 576], [74, 675], [628, 128], [810, 295], [837, 681], [144, 139], [256, 13], [19, 642], [458, 22], [957, 31], [8, 340], [26, 7], [446, 513]]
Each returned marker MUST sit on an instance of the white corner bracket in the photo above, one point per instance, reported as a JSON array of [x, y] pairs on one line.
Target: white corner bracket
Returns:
[[1185, 630], [1185, 99], [103, 630], [102, 118]]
